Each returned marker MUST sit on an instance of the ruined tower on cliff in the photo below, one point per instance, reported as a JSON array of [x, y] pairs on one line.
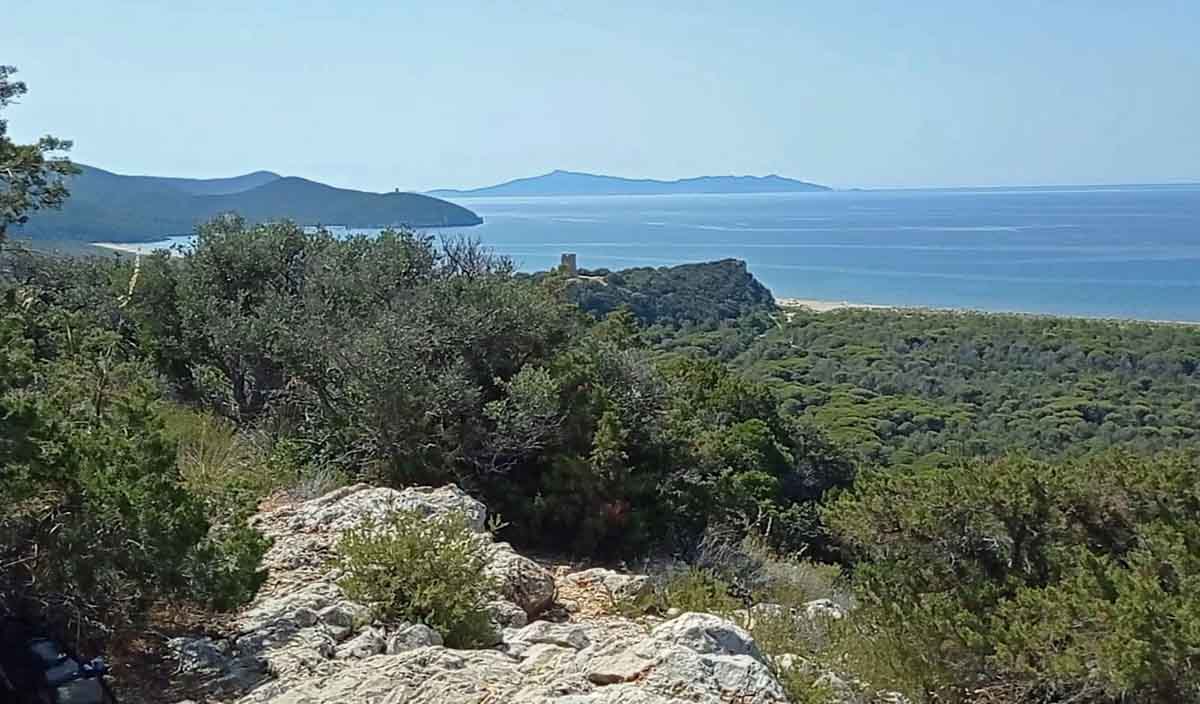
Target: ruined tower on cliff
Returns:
[[568, 264]]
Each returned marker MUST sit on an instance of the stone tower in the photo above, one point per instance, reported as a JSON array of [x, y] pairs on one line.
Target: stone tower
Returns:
[[568, 264]]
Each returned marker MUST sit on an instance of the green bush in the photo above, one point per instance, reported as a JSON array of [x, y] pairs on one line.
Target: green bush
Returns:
[[425, 570], [1077, 580], [98, 522], [699, 590]]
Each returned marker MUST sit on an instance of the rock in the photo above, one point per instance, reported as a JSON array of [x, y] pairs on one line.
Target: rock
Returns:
[[541, 658], [410, 637], [791, 661], [706, 633], [506, 614], [343, 615], [216, 665], [819, 609], [349, 507], [200, 655], [364, 645], [293, 607], [522, 581], [423, 676], [625, 666], [622, 587], [567, 635], [617, 695], [304, 616], [319, 647]]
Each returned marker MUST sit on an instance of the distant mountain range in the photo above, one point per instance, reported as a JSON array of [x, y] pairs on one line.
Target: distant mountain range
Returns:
[[573, 183], [108, 207]]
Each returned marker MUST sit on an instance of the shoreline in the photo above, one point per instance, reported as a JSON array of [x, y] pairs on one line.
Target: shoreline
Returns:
[[826, 306], [126, 247], [138, 248], [814, 305]]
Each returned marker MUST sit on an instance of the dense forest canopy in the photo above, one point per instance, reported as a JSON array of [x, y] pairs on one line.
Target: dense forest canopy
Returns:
[[706, 293], [918, 388]]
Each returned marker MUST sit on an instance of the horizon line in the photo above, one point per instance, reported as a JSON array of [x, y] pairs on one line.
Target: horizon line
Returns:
[[1181, 181]]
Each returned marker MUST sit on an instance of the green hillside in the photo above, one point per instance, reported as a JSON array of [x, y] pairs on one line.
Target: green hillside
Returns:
[[108, 207], [704, 293]]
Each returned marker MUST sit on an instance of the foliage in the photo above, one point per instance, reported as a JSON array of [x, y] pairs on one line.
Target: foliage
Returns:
[[230, 470], [97, 521], [690, 293], [746, 465], [931, 388], [415, 568], [404, 361], [1075, 579], [699, 590], [31, 178]]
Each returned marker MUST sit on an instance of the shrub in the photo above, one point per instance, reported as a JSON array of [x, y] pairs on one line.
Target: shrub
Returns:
[[217, 462], [699, 590], [1070, 581], [419, 569], [97, 522], [754, 568]]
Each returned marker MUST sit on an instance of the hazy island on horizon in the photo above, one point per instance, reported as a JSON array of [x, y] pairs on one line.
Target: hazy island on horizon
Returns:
[[576, 183]]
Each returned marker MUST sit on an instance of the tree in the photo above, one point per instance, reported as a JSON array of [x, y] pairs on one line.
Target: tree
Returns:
[[1077, 581], [31, 178], [97, 522]]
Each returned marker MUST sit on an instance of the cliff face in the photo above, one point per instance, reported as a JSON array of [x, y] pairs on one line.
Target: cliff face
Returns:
[[302, 640]]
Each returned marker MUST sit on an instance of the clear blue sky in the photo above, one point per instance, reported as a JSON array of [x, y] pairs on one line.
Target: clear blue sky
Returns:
[[377, 94]]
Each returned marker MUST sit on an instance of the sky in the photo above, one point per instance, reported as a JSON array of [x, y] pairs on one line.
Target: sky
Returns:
[[409, 94]]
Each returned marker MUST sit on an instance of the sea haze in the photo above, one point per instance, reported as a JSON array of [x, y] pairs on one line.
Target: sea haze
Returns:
[[1130, 252]]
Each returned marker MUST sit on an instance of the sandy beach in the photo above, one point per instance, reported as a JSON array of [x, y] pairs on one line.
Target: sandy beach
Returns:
[[131, 248], [826, 306], [821, 306]]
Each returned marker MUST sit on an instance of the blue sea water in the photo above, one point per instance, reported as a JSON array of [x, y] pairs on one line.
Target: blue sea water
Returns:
[[1129, 252]]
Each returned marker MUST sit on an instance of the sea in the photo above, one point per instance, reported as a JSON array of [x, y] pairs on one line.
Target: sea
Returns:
[[1111, 251]]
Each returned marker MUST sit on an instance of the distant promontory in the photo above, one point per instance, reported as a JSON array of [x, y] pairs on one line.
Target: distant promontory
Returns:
[[109, 207], [574, 183]]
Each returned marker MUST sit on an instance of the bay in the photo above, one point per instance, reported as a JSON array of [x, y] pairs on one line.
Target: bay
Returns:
[[1123, 252]]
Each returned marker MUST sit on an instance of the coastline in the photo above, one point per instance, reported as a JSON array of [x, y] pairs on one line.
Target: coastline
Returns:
[[825, 306], [810, 304], [133, 247], [822, 306]]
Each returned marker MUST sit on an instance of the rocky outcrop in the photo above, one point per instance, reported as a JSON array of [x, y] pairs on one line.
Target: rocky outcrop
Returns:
[[522, 581], [302, 641], [697, 658], [618, 586]]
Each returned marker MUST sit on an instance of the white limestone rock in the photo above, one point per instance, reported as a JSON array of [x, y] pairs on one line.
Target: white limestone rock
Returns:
[[522, 581], [622, 587]]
